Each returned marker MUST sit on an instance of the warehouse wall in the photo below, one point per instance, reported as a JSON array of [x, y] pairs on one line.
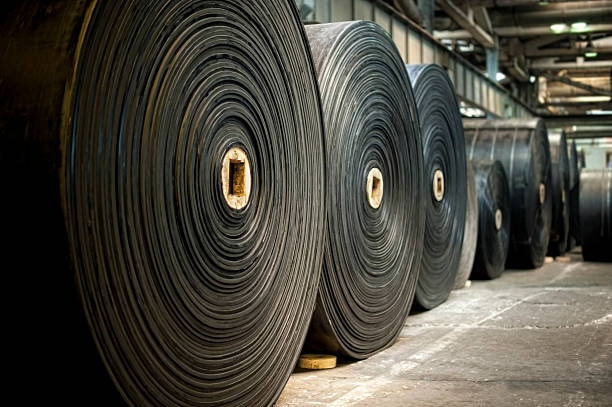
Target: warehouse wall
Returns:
[[597, 154], [416, 46]]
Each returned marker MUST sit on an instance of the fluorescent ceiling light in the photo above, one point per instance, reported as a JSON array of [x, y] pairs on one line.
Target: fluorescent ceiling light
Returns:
[[579, 26], [590, 54], [500, 76], [557, 28], [598, 111], [580, 99]]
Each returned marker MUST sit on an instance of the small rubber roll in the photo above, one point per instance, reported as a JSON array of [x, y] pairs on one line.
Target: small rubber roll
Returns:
[[375, 217], [521, 146], [494, 219], [559, 229], [596, 214], [470, 236], [173, 153], [445, 173], [574, 196]]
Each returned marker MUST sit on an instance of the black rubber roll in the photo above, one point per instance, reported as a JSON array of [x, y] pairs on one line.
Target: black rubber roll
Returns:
[[168, 157], [445, 181], [522, 147], [494, 219], [375, 190], [468, 248], [559, 160], [596, 214], [581, 159], [574, 195]]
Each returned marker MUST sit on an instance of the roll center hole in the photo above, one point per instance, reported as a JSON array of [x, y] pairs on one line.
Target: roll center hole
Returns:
[[236, 174], [542, 194], [498, 219], [374, 187], [563, 195], [438, 185], [236, 178]]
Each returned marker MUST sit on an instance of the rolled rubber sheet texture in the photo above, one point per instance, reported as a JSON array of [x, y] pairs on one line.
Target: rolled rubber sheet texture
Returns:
[[559, 229], [375, 187], [470, 235], [596, 214], [445, 180], [494, 213], [522, 147], [574, 195], [169, 198]]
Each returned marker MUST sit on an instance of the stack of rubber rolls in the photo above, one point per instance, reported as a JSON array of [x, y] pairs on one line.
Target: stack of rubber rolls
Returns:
[[559, 230], [574, 196], [375, 216], [446, 182], [166, 168], [522, 147], [494, 215], [470, 235], [596, 214]]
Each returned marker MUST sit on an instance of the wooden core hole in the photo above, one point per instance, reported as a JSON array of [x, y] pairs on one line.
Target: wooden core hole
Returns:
[[498, 219], [438, 185], [236, 178], [374, 187]]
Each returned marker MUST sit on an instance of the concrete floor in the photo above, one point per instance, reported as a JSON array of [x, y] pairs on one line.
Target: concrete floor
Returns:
[[530, 338]]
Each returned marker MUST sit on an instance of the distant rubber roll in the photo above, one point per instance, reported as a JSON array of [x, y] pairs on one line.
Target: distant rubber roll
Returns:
[[470, 235], [494, 219], [581, 159], [574, 195], [522, 147], [559, 229], [445, 180], [169, 156], [375, 189], [596, 214]]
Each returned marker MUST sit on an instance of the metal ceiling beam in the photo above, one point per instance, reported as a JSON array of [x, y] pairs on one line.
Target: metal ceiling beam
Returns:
[[542, 41], [467, 23], [512, 3], [558, 52], [575, 120], [550, 65], [518, 31], [580, 105], [580, 85], [587, 13], [588, 134], [481, 15]]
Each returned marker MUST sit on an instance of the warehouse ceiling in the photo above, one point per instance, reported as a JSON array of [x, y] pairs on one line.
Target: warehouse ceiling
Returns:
[[556, 56]]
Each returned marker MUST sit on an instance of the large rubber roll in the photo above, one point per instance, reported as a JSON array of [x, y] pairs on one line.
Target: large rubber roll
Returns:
[[522, 147], [470, 236], [445, 176], [494, 219], [168, 188], [596, 214], [375, 190], [574, 195], [559, 160]]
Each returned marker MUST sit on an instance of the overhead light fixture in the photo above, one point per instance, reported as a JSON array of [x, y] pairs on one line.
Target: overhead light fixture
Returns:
[[590, 54], [500, 76], [558, 28], [579, 26], [598, 111], [532, 79], [543, 3]]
